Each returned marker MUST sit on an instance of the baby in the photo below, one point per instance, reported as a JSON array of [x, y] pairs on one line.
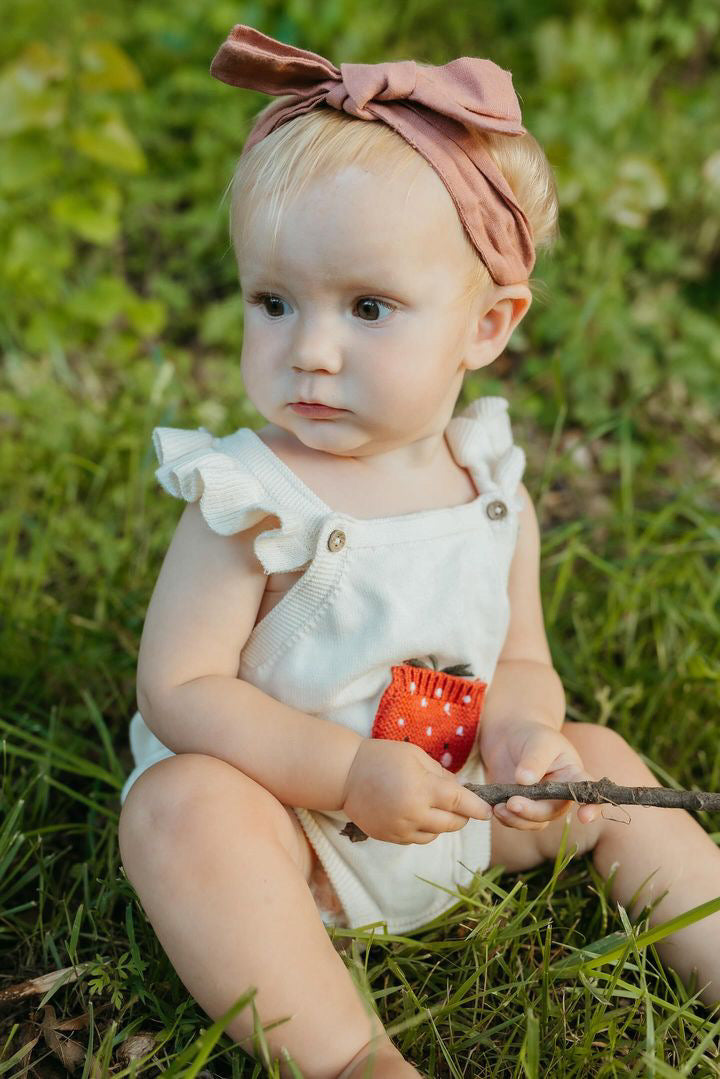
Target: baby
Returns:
[[347, 625]]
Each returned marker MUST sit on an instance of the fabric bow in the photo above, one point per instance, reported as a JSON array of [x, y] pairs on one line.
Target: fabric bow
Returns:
[[438, 110]]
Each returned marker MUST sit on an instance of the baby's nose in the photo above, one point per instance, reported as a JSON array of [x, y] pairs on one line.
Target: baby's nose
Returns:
[[316, 347]]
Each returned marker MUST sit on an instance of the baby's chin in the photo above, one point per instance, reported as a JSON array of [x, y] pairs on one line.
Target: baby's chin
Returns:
[[339, 435]]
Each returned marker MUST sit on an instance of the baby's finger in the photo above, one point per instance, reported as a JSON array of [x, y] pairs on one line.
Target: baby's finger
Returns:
[[549, 810], [439, 820], [423, 837], [545, 810], [512, 820], [451, 796], [588, 813]]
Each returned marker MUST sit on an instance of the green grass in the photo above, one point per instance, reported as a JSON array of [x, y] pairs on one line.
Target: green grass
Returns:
[[482, 991], [509, 983]]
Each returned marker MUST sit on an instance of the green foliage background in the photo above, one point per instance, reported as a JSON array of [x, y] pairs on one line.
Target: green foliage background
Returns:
[[119, 311], [116, 146], [119, 302]]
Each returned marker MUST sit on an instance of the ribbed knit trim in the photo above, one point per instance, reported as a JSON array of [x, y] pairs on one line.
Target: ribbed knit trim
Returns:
[[299, 609], [426, 682]]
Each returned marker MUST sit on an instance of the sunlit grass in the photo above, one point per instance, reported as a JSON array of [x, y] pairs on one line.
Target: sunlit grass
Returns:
[[538, 976]]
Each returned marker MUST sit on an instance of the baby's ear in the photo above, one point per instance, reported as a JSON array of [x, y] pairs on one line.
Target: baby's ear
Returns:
[[491, 321]]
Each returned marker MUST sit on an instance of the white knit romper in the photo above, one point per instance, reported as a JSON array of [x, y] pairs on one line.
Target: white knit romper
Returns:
[[382, 601]]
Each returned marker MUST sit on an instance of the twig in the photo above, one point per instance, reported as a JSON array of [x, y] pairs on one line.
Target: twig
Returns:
[[585, 792], [594, 792]]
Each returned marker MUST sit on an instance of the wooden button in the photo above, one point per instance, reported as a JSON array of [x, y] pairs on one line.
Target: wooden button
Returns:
[[336, 540], [496, 509]]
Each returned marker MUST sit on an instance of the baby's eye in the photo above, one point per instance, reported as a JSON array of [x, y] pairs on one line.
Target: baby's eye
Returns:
[[269, 302], [368, 306]]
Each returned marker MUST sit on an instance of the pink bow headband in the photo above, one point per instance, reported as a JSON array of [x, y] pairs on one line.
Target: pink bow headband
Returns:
[[438, 110]]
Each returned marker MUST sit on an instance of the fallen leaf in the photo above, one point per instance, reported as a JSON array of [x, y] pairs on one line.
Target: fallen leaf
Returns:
[[42, 983]]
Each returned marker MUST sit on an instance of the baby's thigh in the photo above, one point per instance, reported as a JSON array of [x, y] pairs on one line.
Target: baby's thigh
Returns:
[[603, 752], [173, 794]]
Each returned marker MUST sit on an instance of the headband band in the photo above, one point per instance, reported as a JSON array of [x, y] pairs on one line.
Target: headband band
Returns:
[[437, 110]]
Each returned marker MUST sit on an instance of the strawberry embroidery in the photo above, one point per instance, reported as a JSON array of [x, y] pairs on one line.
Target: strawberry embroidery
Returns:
[[438, 710]]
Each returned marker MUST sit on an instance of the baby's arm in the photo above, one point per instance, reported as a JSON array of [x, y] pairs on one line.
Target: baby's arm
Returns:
[[302, 759], [525, 686], [201, 613], [520, 739]]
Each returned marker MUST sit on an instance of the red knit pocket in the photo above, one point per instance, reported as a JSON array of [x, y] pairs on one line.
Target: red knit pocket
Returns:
[[435, 710]]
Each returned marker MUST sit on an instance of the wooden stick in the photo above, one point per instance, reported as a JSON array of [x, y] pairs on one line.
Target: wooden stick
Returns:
[[594, 792], [584, 792]]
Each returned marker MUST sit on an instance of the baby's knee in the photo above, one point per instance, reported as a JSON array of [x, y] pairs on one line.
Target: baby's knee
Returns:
[[604, 752], [183, 803], [163, 797], [175, 797], [179, 776]]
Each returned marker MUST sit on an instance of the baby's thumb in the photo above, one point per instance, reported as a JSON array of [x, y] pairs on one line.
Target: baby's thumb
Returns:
[[532, 765]]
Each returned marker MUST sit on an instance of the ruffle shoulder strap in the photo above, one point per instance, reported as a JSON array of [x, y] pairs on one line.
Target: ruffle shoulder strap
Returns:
[[480, 438], [193, 466]]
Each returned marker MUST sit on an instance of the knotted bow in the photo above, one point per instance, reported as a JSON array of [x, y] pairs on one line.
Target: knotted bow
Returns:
[[437, 110]]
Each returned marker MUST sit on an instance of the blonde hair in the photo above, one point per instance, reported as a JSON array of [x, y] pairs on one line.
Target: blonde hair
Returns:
[[323, 141]]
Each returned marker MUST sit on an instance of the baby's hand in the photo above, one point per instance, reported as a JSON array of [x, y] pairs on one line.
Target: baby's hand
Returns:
[[527, 752], [397, 792]]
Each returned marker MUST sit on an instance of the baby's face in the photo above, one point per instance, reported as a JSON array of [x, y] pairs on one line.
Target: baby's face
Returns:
[[361, 309]]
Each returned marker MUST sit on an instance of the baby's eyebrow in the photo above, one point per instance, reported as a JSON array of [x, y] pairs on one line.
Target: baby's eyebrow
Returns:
[[380, 282]]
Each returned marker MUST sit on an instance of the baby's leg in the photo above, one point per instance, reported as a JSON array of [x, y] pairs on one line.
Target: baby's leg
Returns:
[[668, 843], [221, 872]]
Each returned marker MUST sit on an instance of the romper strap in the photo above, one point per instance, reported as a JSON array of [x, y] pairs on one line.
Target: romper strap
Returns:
[[481, 440]]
